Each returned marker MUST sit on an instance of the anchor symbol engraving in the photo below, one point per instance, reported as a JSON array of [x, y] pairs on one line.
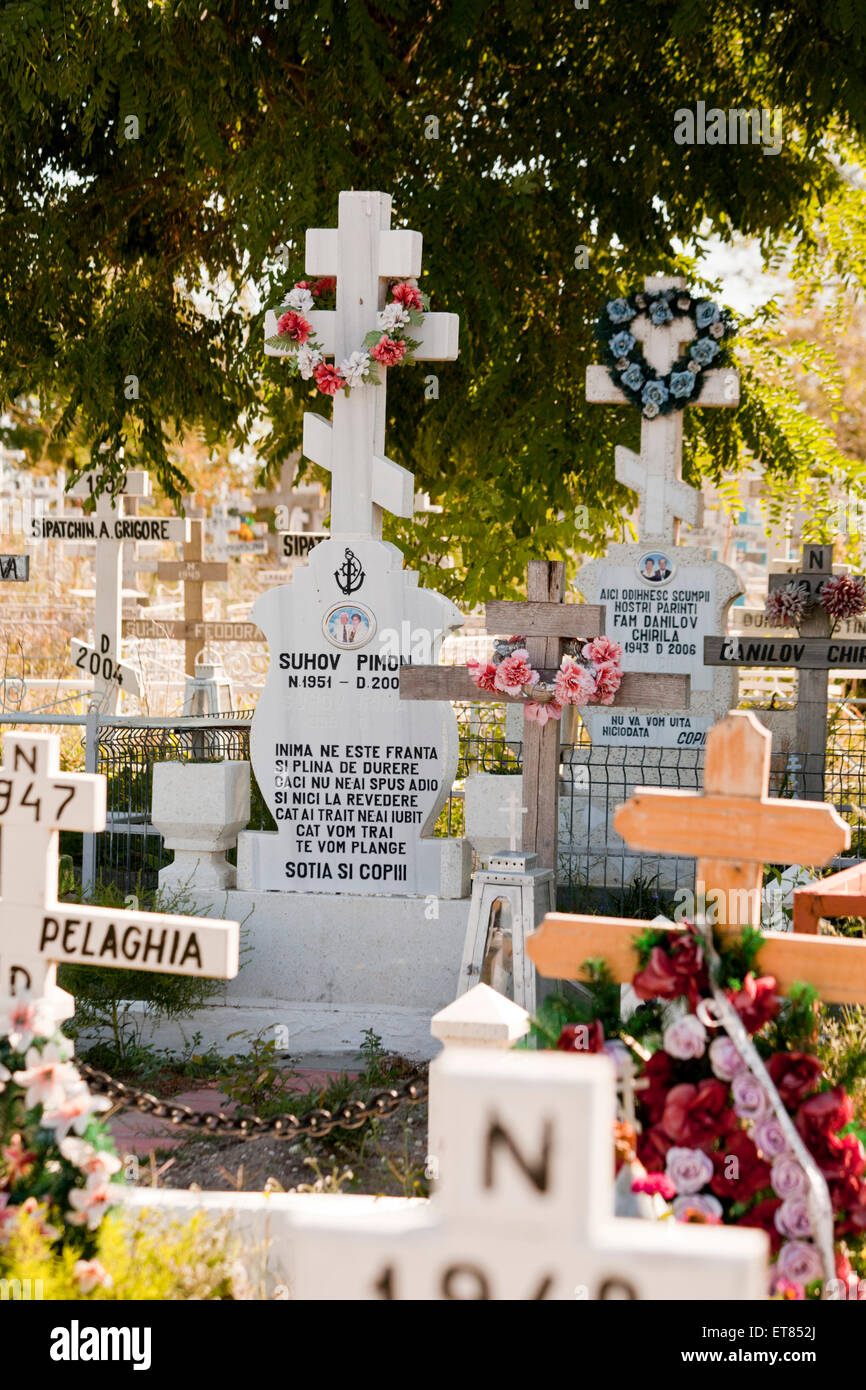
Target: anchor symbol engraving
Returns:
[[350, 576]]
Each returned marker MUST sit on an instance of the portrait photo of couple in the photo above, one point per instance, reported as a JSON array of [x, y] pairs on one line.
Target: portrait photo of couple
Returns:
[[349, 625], [655, 567]]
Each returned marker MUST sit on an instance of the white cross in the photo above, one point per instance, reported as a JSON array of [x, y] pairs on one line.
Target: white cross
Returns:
[[363, 253], [37, 800], [524, 1205], [655, 474], [515, 827], [106, 527]]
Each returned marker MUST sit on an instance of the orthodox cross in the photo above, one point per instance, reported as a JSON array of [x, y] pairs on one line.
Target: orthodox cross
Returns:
[[37, 800], [813, 653], [523, 1207], [732, 828], [655, 474], [363, 253], [108, 527], [546, 623]]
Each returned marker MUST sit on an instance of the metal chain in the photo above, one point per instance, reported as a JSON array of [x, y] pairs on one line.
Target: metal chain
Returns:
[[316, 1124]]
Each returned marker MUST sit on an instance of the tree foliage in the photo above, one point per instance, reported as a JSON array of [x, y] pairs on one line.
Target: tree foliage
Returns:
[[160, 161]]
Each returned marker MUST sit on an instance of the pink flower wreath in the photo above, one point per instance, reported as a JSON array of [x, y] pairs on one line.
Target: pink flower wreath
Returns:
[[591, 677]]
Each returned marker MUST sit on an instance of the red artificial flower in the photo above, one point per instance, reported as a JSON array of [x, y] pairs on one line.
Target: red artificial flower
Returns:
[[388, 351], [655, 1185], [841, 1158], [695, 1116], [328, 379], [757, 1002], [762, 1216], [794, 1075], [295, 326], [407, 295], [482, 674], [740, 1173], [652, 1148], [323, 286], [659, 1075], [821, 1116], [582, 1037], [678, 971]]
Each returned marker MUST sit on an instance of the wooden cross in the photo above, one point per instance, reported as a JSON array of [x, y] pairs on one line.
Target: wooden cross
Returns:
[[108, 527], [193, 572], [363, 253], [813, 653], [523, 1208], [732, 828], [37, 800], [656, 472], [546, 623]]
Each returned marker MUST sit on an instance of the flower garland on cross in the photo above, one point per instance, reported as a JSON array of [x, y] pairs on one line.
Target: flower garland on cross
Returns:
[[588, 674], [735, 1129], [388, 344], [629, 369]]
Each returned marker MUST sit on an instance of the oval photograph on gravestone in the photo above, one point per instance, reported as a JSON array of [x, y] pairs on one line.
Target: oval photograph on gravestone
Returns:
[[655, 567], [349, 625]]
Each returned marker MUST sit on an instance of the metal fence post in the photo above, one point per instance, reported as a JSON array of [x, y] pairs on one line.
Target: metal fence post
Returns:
[[91, 764]]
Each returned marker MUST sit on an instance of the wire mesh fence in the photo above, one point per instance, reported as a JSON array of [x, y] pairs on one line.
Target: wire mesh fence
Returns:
[[596, 870]]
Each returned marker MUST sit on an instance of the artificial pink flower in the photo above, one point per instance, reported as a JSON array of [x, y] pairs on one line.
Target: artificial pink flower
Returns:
[[74, 1112], [787, 1289], [602, 649], [698, 1209], [37, 1214], [91, 1204], [388, 351], [294, 326], [608, 679], [98, 1165], [49, 1077], [539, 712], [408, 295], [17, 1160], [90, 1275], [323, 286], [515, 672], [328, 379], [574, 683], [482, 674], [655, 1185]]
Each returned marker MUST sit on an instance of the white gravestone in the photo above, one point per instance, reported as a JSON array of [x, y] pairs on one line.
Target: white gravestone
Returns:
[[524, 1209], [36, 931], [109, 529], [661, 598], [354, 777]]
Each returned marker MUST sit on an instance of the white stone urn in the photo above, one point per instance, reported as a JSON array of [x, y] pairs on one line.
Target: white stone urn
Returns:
[[199, 810]]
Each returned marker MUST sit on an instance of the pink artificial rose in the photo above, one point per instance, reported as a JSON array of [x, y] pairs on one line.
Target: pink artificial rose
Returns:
[[515, 672], [685, 1038], [540, 712], [800, 1261], [780, 1287], [788, 1178], [574, 683], [655, 1185], [388, 351], [294, 326], [698, 1209], [750, 1098], [407, 295], [757, 1002], [688, 1169], [769, 1136], [482, 674], [602, 649], [328, 379], [792, 1218], [725, 1060]]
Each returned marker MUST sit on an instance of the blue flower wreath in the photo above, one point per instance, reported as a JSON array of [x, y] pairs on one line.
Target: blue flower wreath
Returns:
[[629, 369]]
